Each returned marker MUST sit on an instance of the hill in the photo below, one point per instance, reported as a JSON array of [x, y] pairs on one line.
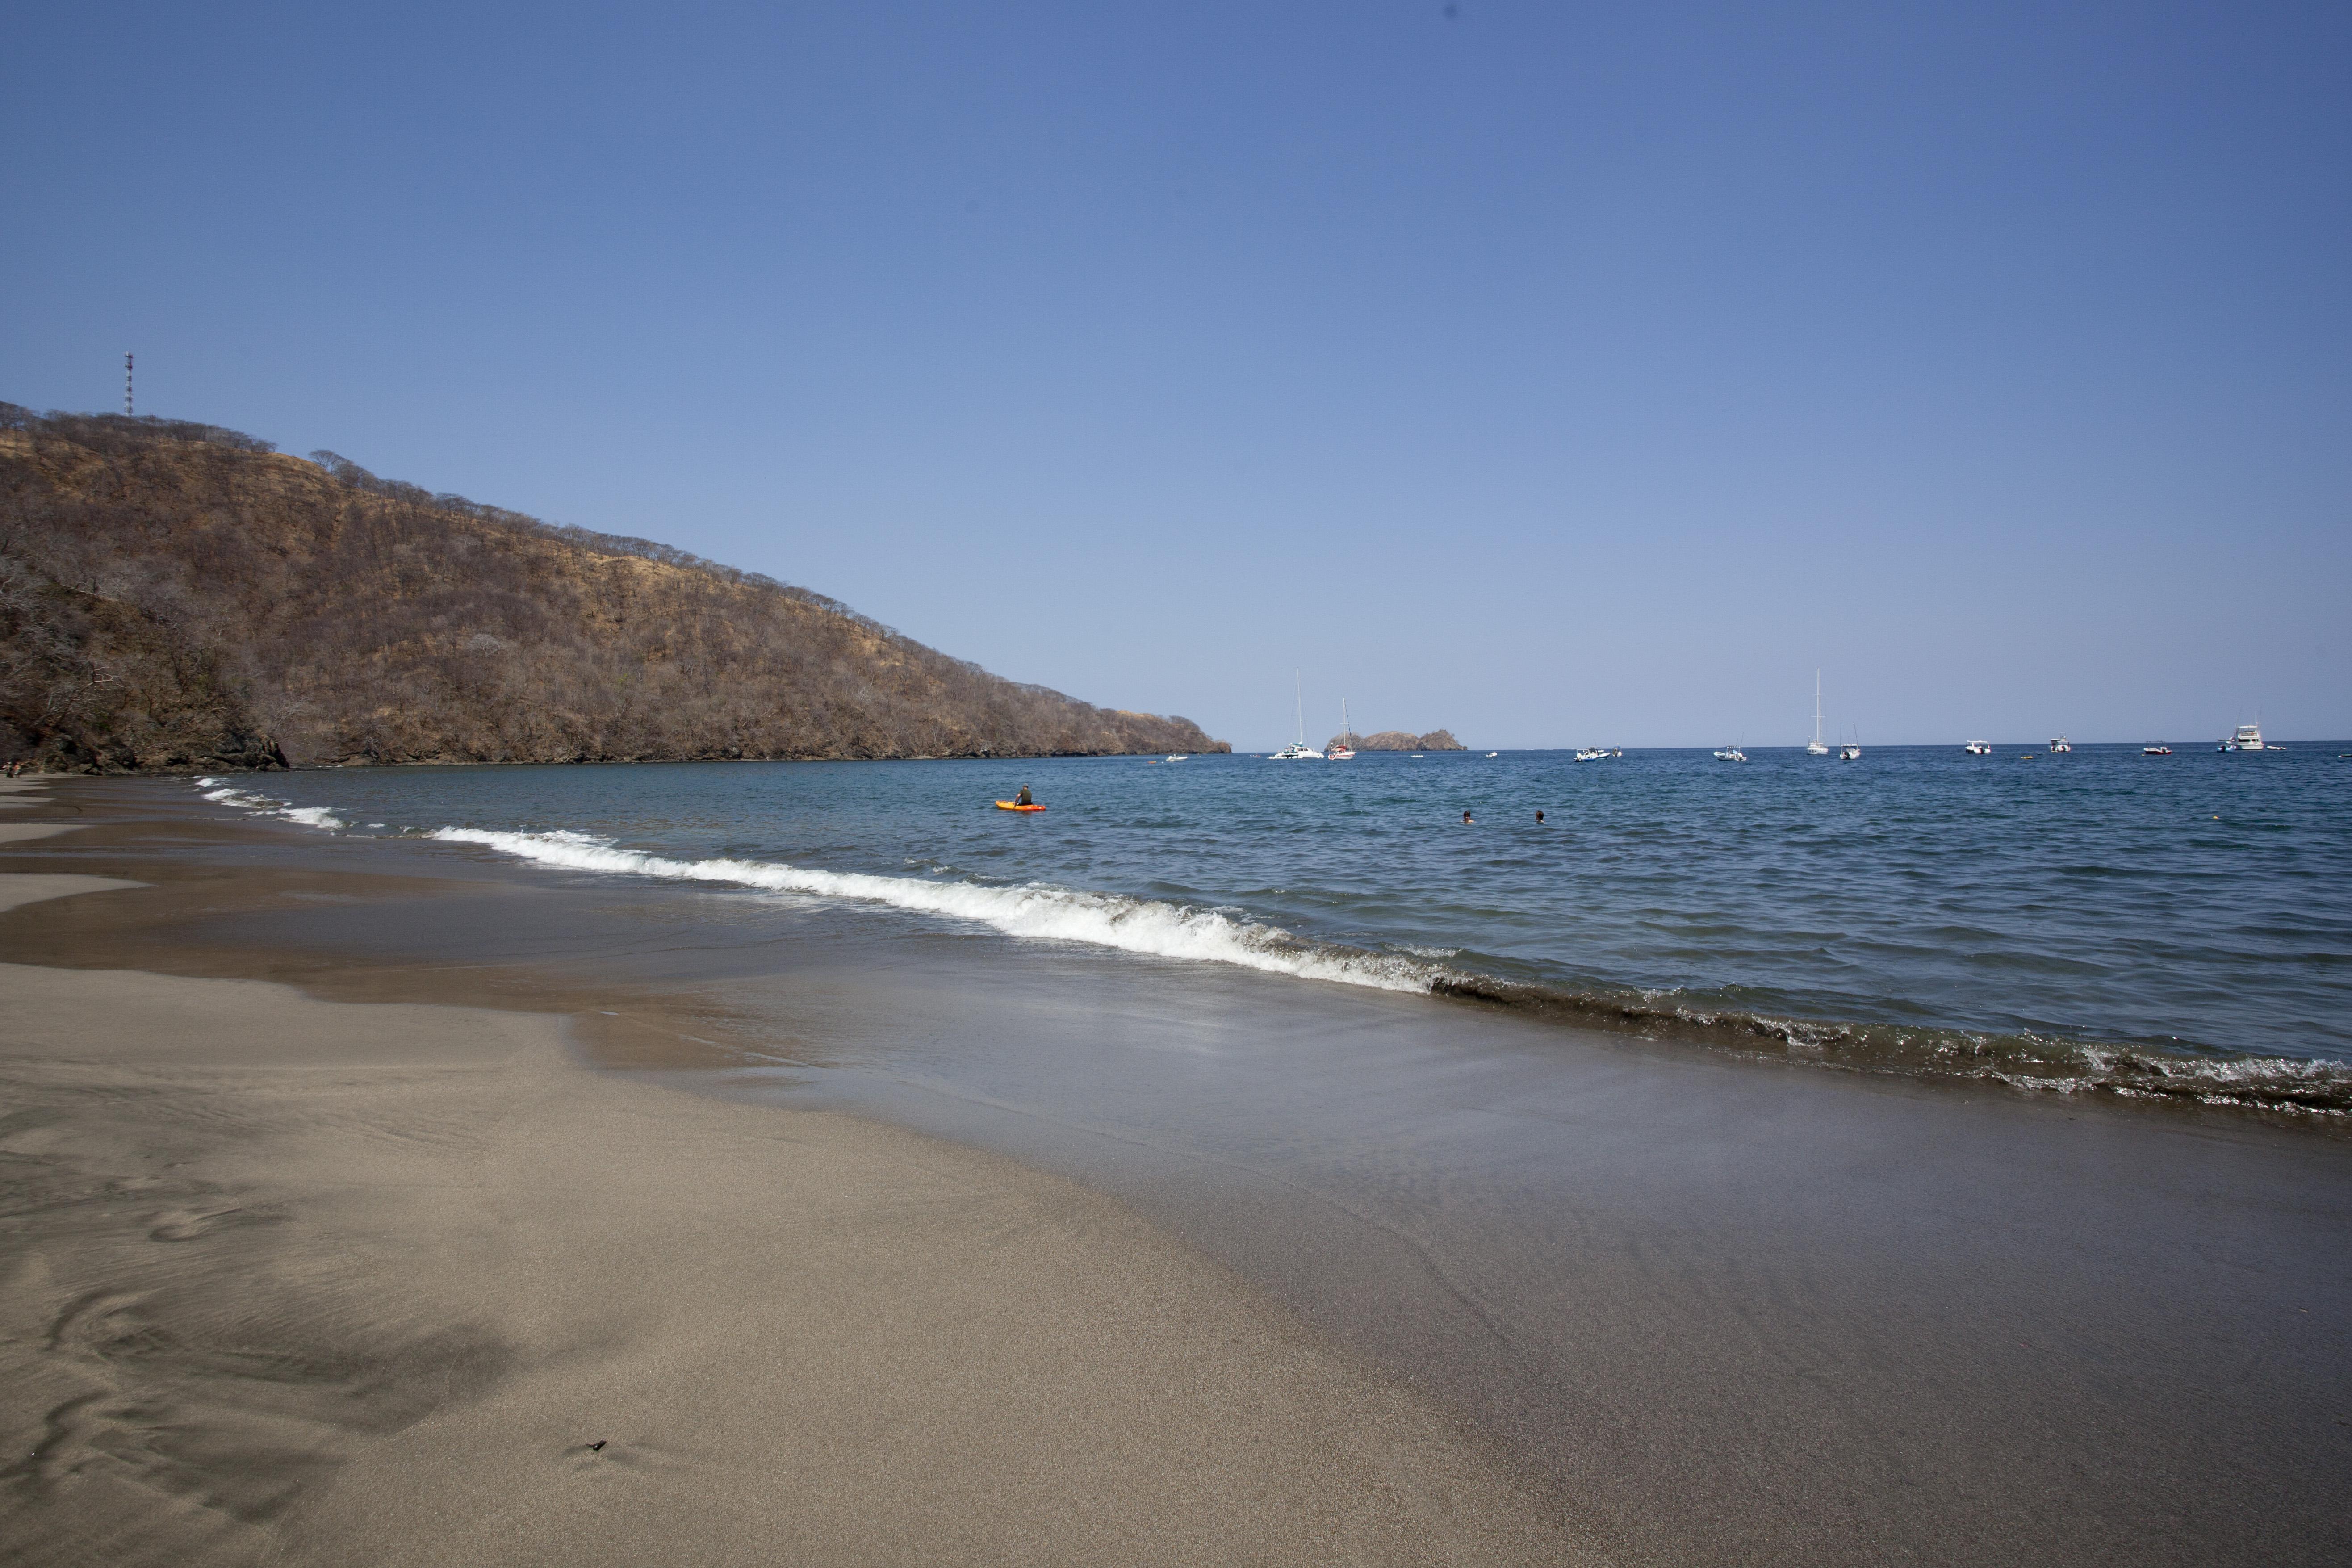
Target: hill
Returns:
[[1406, 740], [175, 596]]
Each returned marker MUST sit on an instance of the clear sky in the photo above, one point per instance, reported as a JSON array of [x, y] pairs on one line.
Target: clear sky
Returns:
[[1552, 373]]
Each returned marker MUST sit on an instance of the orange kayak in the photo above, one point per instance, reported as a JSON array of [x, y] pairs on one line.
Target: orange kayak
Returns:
[[1008, 805]]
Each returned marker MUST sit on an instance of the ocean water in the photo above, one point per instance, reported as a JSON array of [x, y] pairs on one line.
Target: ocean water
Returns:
[[2103, 921]]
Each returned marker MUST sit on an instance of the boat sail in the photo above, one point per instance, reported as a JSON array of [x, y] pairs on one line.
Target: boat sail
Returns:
[[1341, 749], [1298, 751]]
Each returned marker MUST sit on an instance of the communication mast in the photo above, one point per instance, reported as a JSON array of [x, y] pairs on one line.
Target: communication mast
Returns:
[[126, 386]]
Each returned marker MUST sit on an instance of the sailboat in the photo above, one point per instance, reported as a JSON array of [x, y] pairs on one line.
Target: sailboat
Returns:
[[1340, 750], [1297, 750], [1813, 748]]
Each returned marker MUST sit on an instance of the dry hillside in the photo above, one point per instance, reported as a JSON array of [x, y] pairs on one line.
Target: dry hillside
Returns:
[[176, 595]]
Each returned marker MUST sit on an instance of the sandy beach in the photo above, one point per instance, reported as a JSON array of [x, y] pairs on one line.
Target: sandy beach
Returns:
[[292, 1280]]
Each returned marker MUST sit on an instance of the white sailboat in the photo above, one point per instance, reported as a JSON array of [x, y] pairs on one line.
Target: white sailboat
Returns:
[[1298, 751], [1813, 748], [1340, 750]]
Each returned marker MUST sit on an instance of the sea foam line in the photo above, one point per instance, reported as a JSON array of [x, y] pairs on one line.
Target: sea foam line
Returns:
[[1036, 911], [265, 805]]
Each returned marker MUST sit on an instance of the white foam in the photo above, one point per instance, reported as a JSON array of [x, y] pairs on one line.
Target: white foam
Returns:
[[265, 805], [1036, 911]]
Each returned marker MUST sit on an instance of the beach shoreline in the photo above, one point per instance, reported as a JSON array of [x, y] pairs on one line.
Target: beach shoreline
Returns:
[[1701, 1308]]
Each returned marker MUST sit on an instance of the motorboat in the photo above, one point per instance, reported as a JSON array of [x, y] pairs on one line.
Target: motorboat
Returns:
[[1180, 757], [1849, 754], [1731, 754], [1493, 754], [2248, 737], [1814, 748], [2156, 751], [2061, 744], [1591, 754], [1979, 748]]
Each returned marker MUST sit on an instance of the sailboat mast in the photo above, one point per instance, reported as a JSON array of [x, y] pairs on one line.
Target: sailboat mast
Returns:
[[1817, 708], [1299, 701]]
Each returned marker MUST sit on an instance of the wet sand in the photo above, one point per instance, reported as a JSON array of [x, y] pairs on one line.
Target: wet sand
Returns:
[[1719, 1311], [294, 1280]]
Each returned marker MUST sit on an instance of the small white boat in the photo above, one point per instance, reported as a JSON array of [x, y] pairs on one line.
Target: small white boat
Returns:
[[2248, 737], [1180, 757], [1591, 754], [1731, 754], [1494, 753], [1813, 748], [1979, 748], [2156, 751], [1340, 750], [2061, 744]]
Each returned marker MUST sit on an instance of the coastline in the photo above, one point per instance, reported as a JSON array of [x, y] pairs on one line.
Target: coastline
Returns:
[[294, 1280], [1717, 1309]]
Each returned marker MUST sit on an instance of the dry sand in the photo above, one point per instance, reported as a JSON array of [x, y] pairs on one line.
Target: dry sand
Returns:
[[288, 1280]]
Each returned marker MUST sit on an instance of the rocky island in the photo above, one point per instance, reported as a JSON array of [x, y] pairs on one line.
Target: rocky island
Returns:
[[175, 596], [1406, 740]]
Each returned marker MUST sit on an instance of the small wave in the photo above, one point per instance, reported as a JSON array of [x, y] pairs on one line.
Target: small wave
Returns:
[[1036, 911], [2035, 1062], [265, 805]]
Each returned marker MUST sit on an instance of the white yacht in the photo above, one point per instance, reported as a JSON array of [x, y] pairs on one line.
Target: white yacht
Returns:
[[2061, 744], [1979, 748], [1340, 750], [1298, 751], [2248, 737], [1731, 754], [1813, 748]]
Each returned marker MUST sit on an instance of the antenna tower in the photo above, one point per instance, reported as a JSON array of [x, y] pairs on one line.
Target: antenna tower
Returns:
[[126, 386]]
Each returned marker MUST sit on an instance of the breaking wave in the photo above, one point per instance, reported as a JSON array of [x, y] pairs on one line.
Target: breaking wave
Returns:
[[1036, 911], [265, 806]]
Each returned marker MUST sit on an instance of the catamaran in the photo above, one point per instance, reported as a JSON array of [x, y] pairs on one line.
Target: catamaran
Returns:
[[1813, 747], [1298, 751], [1340, 750]]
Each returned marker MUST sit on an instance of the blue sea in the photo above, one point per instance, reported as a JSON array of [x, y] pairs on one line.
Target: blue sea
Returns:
[[2176, 925]]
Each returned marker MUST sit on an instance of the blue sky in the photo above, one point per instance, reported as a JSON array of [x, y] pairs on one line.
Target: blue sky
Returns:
[[1554, 373]]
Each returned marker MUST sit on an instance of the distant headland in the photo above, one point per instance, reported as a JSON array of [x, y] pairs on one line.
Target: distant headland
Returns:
[[177, 596], [1402, 740]]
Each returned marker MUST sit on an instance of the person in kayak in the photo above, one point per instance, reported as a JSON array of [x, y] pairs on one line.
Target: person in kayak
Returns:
[[1022, 799]]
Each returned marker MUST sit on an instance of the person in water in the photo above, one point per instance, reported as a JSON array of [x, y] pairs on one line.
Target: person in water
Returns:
[[1022, 799], [1539, 819], [1466, 819]]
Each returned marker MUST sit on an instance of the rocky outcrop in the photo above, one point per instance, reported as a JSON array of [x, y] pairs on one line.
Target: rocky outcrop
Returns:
[[175, 596], [1404, 741]]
